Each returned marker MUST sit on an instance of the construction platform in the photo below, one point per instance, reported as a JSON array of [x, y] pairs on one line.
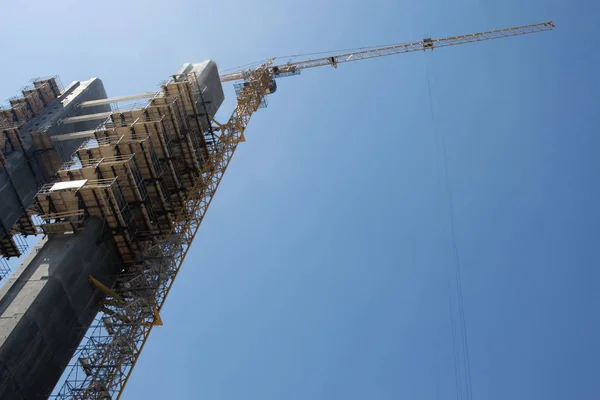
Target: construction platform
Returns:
[[28, 156], [123, 188], [135, 170]]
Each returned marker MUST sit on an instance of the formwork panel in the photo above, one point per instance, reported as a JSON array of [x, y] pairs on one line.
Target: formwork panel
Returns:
[[52, 85]]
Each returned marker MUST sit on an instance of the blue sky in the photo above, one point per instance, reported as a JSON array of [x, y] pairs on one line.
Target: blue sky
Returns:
[[322, 269]]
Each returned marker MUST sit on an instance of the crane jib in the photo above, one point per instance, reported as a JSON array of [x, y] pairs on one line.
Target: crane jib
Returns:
[[283, 70]]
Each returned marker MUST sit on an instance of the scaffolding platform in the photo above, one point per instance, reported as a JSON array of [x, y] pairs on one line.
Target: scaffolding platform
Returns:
[[10, 141], [26, 225], [12, 246], [133, 171], [32, 101], [4, 268], [46, 152]]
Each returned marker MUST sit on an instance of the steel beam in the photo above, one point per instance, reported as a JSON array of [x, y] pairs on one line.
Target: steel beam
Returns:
[[118, 99]]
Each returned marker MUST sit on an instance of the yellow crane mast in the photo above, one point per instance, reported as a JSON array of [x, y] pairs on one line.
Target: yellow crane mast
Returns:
[[105, 359]]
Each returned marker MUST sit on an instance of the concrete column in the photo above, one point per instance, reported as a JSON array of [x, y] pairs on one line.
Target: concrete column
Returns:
[[47, 306]]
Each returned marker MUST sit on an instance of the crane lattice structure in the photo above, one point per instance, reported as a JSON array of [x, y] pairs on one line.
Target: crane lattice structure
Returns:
[[107, 356]]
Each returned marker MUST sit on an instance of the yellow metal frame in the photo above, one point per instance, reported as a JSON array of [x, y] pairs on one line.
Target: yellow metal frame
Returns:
[[105, 289]]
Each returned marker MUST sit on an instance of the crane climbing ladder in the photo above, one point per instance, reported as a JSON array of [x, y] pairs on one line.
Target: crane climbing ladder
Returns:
[[103, 363]]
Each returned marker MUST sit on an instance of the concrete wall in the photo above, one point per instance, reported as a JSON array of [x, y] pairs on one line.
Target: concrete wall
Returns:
[[21, 178], [48, 305], [207, 75], [75, 94]]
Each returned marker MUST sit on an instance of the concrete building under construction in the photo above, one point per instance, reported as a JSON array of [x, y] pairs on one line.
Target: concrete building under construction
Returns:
[[118, 192], [104, 184]]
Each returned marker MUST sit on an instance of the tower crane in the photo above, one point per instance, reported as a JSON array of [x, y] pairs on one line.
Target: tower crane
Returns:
[[108, 359]]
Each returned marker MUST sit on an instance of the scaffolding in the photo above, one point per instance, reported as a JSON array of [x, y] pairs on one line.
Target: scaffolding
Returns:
[[10, 140], [22, 108], [135, 171], [27, 224], [165, 147], [4, 267], [51, 84], [14, 242], [46, 152], [12, 245], [32, 101]]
